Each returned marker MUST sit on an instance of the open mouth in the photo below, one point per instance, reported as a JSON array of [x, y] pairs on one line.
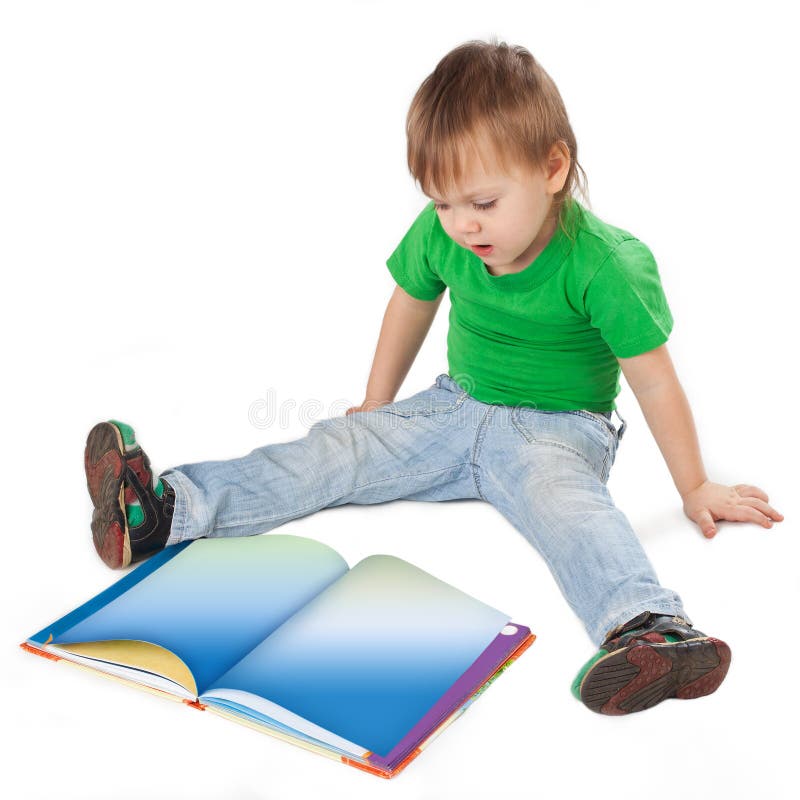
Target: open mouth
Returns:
[[482, 249]]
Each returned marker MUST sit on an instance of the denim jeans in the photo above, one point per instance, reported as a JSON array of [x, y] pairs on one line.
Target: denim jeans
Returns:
[[544, 471]]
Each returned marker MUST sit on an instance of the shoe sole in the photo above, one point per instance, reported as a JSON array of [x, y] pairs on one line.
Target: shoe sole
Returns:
[[104, 462], [642, 675]]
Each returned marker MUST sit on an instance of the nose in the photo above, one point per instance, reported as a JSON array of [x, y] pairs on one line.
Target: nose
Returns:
[[464, 222]]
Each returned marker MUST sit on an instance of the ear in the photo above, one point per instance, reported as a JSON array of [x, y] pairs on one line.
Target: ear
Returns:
[[557, 168]]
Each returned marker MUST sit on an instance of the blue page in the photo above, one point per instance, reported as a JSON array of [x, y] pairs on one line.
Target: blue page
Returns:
[[215, 600], [369, 656]]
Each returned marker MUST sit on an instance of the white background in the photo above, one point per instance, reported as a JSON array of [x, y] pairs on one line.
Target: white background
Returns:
[[197, 203]]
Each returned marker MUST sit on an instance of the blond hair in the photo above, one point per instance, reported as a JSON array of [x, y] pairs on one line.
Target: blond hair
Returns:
[[489, 91]]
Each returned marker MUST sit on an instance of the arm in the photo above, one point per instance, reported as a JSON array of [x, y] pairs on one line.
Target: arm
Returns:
[[652, 378], [405, 325]]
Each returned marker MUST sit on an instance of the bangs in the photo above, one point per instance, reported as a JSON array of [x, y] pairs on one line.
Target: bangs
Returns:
[[441, 160]]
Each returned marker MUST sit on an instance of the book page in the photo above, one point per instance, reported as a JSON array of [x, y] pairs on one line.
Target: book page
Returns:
[[148, 660], [216, 600], [370, 655]]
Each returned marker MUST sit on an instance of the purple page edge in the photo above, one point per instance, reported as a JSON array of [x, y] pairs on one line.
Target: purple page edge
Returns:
[[476, 675]]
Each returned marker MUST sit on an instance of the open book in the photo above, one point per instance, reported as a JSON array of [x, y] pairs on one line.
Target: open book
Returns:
[[364, 665]]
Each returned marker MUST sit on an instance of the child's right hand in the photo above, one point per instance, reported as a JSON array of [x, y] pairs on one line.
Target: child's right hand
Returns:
[[367, 405]]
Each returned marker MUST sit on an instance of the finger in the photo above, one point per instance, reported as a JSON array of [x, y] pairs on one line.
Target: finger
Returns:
[[706, 523], [745, 513], [746, 490], [766, 509]]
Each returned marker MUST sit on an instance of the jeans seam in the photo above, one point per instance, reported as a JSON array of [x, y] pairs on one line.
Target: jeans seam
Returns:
[[605, 469], [476, 447], [520, 428], [307, 509]]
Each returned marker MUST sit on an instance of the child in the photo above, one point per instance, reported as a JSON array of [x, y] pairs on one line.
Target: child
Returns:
[[548, 303]]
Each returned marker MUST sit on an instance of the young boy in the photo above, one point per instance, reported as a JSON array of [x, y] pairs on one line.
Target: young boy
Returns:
[[548, 303]]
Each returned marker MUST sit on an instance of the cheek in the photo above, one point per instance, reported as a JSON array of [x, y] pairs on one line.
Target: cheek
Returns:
[[525, 224], [448, 229], [516, 227]]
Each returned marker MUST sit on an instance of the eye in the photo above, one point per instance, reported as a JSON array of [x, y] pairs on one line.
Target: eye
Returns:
[[476, 206]]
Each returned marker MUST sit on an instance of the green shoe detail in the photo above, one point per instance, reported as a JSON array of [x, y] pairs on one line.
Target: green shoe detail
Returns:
[[159, 489], [576, 684], [128, 436], [134, 514]]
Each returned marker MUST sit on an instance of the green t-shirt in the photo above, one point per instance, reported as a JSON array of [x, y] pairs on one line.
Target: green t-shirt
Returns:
[[549, 336]]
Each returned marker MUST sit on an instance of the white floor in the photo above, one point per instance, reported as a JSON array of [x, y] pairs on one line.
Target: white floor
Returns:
[[198, 203]]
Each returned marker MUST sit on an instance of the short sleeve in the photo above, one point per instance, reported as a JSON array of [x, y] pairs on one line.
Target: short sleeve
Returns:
[[626, 303], [409, 263]]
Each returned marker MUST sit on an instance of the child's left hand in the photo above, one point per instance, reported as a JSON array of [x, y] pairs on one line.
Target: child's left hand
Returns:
[[710, 502]]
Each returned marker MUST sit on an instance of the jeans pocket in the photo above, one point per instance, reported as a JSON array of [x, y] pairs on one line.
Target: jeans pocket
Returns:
[[425, 404], [581, 433], [601, 419]]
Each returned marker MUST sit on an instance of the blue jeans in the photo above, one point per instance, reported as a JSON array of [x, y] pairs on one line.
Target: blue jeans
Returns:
[[545, 471]]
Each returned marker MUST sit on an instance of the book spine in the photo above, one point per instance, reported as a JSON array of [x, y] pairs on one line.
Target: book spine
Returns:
[[371, 770], [37, 652]]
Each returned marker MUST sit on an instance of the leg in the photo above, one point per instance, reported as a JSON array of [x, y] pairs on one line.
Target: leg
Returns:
[[417, 448], [546, 473]]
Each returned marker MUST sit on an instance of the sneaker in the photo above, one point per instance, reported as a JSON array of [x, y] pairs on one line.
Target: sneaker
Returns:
[[649, 659], [132, 513]]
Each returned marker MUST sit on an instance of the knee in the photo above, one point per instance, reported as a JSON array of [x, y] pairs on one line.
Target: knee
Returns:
[[560, 493]]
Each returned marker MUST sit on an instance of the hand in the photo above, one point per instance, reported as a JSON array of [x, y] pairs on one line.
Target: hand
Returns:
[[367, 405], [710, 502]]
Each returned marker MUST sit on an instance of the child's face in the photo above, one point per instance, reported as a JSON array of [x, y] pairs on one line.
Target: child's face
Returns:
[[502, 216]]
